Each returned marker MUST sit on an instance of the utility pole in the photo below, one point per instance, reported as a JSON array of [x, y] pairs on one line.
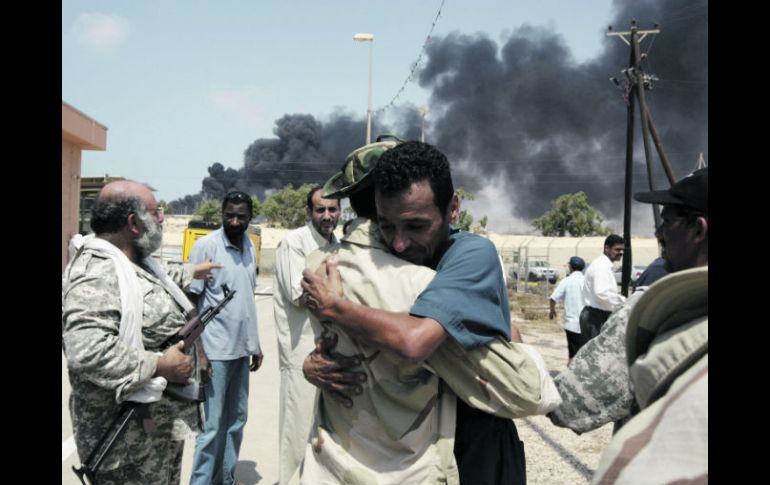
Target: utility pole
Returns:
[[701, 162], [636, 82], [423, 112]]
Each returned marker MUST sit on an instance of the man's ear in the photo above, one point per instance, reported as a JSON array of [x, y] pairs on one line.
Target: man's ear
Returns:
[[701, 229], [133, 224], [454, 209]]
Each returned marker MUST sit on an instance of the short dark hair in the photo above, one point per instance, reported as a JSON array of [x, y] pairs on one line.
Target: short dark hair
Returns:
[[109, 215], [577, 264], [313, 190], [613, 239], [238, 197], [411, 162]]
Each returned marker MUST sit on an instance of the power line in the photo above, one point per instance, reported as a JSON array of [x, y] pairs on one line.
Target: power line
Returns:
[[704, 83], [688, 8], [687, 17], [415, 65]]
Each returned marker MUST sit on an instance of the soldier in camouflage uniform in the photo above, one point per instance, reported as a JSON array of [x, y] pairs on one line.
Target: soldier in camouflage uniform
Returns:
[[666, 351], [103, 369], [596, 388], [400, 426]]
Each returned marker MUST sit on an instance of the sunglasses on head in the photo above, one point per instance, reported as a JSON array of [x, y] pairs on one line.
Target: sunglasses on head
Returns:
[[237, 197]]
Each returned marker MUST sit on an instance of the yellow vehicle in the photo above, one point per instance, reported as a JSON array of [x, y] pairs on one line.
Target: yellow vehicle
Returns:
[[197, 229]]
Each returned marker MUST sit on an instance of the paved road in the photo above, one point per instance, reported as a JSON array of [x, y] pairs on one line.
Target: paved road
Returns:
[[259, 452]]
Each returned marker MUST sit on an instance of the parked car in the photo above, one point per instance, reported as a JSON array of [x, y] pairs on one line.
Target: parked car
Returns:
[[635, 272], [535, 271]]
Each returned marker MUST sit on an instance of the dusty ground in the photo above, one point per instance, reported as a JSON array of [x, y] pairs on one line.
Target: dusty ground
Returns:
[[554, 455]]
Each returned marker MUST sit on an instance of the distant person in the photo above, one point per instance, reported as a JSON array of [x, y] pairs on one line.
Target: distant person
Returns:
[[229, 341], [118, 309], [570, 291], [655, 271], [293, 329], [600, 290], [596, 387]]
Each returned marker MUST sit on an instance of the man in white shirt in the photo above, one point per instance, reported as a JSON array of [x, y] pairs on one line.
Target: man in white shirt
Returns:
[[570, 291], [293, 329], [600, 290]]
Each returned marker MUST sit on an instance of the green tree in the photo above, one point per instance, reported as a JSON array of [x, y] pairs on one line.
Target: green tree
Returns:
[[466, 219], [287, 206], [482, 225], [571, 213], [210, 210], [165, 206], [256, 206]]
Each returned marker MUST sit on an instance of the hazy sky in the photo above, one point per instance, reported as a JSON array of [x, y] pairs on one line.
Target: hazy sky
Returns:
[[184, 84]]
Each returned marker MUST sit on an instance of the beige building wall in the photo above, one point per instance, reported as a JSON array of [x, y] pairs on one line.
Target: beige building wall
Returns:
[[78, 132], [557, 250]]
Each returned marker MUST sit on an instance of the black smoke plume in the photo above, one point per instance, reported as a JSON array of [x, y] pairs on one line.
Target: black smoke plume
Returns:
[[522, 115], [304, 150], [526, 112]]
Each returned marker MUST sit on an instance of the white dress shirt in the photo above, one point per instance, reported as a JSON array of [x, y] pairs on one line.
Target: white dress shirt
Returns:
[[600, 290], [570, 291]]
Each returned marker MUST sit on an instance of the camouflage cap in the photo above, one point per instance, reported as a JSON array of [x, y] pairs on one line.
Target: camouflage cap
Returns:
[[354, 173]]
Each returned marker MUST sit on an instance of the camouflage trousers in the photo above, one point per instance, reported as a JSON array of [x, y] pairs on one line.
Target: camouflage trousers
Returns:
[[164, 467]]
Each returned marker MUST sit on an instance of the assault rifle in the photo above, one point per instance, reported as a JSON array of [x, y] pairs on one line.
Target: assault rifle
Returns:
[[128, 409], [190, 333]]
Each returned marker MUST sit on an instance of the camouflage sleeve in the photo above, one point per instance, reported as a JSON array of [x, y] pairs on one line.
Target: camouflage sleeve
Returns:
[[499, 378], [595, 388], [181, 274], [91, 319]]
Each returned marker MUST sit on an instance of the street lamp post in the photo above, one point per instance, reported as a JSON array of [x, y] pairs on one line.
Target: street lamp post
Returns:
[[423, 112], [368, 38]]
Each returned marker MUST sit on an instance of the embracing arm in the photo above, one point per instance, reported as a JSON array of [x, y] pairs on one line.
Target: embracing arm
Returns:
[[332, 371], [412, 338], [507, 379], [595, 385]]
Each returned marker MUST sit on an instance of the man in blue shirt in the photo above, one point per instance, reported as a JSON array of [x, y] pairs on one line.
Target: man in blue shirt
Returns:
[[655, 271], [570, 291], [466, 300], [230, 338]]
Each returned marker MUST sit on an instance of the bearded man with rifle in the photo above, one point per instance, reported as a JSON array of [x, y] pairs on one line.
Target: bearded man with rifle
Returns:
[[119, 310]]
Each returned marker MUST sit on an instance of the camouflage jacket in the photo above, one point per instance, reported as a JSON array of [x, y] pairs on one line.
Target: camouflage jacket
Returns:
[[401, 428], [596, 388], [103, 370], [667, 350]]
